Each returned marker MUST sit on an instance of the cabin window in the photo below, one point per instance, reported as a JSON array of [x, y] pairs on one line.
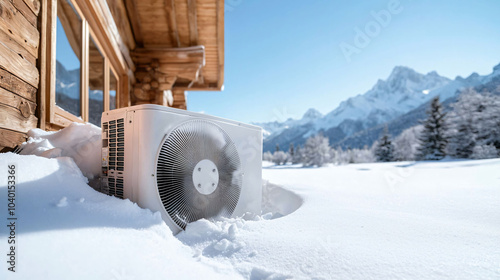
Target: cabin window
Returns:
[[113, 86], [68, 58], [96, 83], [85, 72]]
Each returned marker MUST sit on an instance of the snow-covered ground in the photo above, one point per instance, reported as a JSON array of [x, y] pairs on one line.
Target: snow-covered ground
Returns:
[[367, 221]]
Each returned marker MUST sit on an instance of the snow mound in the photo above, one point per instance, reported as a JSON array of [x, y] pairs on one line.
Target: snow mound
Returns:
[[278, 202], [69, 231], [81, 142]]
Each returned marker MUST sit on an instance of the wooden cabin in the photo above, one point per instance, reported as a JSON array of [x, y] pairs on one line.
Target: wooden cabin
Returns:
[[64, 61]]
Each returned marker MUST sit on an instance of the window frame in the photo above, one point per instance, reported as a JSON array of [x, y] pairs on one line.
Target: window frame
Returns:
[[107, 89], [51, 115]]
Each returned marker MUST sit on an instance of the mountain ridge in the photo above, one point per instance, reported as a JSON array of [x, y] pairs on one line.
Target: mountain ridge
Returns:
[[403, 91]]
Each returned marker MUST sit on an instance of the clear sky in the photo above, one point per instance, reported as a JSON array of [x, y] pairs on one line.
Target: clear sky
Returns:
[[285, 56]]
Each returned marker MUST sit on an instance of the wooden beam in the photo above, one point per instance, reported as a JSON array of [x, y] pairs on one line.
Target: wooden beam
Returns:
[[220, 43], [134, 21], [46, 64], [162, 97], [41, 64], [106, 85], [23, 8], [193, 26], [120, 15], [16, 47], [20, 29], [124, 92], [195, 54], [52, 126], [63, 118], [84, 73], [187, 71], [14, 84], [17, 65], [198, 87], [34, 5], [167, 84], [172, 23], [102, 23], [26, 107], [9, 138], [179, 98], [11, 118], [50, 57]]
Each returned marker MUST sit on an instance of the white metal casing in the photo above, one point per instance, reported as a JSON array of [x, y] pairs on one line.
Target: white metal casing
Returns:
[[145, 128]]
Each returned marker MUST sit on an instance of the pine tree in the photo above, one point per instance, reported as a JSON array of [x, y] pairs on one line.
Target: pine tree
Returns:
[[465, 141], [474, 122], [291, 150], [384, 151], [297, 156], [433, 139], [277, 147], [463, 124]]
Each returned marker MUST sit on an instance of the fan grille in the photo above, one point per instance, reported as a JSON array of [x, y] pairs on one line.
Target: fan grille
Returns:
[[188, 144]]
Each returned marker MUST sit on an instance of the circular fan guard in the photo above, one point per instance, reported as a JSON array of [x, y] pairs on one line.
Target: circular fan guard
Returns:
[[187, 145]]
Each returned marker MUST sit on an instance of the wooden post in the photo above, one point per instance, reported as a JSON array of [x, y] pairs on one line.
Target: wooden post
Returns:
[[106, 84]]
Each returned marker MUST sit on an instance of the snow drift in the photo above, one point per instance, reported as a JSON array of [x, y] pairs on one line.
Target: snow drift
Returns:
[[68, 230], [81, 142]]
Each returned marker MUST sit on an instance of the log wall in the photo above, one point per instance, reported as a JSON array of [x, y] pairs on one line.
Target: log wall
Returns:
[[19, 75]]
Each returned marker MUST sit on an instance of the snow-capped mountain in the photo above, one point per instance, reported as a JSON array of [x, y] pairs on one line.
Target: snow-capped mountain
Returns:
[[403, 91], [275, 127], [68, 83]]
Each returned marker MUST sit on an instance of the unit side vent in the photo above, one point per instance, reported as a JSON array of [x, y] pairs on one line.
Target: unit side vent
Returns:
[[115, 144]]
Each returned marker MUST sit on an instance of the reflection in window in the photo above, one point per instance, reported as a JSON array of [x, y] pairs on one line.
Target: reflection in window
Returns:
[[68, 58], [96, 83], [112, 90]]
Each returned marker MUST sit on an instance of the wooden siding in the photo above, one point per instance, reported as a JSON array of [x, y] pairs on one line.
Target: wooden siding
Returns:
[[19, 75]]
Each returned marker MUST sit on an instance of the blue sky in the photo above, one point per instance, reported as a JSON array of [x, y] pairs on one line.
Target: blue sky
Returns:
[[283, 57]]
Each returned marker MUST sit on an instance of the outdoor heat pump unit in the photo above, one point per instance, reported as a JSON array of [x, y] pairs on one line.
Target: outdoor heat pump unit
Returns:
[[185, 165]]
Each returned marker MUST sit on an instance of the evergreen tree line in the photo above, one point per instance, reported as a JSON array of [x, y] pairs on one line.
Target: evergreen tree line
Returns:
[[470, 130]]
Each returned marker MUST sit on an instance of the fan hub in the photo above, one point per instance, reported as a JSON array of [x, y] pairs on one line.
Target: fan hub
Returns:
[[205, 177]]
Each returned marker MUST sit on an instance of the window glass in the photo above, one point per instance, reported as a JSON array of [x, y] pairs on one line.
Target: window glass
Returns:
[[96, 83], [68, 58], [112, 90]]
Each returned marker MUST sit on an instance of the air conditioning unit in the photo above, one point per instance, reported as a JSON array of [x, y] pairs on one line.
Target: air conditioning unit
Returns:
[[185, 165]]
